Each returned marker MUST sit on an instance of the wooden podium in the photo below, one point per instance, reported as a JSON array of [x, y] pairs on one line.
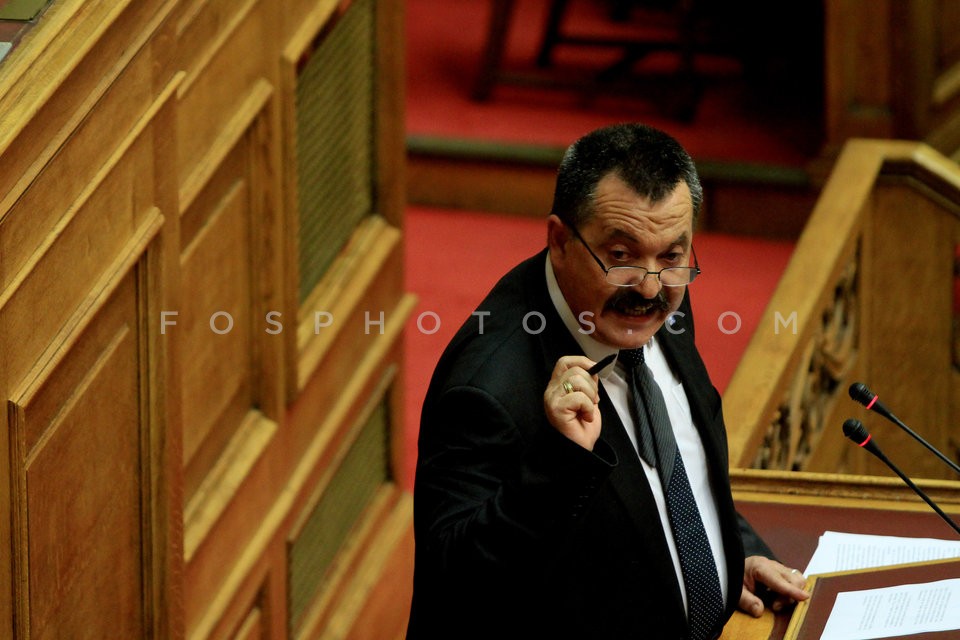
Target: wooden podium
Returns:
[[791, 510]]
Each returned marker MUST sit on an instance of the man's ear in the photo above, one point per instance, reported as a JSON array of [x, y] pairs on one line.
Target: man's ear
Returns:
[[557, 235]]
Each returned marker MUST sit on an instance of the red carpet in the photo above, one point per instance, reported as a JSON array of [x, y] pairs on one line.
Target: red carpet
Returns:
[[444, 42], [454, 257]]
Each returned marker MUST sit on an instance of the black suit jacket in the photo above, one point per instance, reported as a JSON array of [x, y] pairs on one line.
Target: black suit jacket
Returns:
[[520, 532]]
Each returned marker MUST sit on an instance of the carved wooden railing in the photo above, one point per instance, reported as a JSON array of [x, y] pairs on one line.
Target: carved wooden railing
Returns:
[[870, 294]]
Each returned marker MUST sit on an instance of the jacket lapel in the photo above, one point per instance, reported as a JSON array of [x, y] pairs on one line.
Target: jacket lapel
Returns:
[[629, 484], [630, 480]]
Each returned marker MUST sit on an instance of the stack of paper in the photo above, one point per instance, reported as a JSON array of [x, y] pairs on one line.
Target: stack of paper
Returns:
[[891, 611], [849, 551], [895, 611]]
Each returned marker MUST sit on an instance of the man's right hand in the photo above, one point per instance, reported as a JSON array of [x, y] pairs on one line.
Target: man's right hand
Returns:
[[571, 400]]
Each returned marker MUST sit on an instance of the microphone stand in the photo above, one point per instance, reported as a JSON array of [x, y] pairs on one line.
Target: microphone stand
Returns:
[[950, 463], [933, 505], [856, 432], [861, 394]]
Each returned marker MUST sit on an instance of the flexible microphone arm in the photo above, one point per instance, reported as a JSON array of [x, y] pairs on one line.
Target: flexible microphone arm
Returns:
[[855, 430], [862, 394]]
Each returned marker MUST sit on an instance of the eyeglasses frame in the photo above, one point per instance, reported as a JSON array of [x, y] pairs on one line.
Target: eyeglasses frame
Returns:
[[695, 269]]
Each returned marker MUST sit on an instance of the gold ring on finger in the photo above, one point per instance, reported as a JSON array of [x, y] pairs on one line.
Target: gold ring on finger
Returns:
[[567, 387]]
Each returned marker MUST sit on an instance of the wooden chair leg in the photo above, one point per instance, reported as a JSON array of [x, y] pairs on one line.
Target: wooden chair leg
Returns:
[[501, 13], [551, 32], [689, 83]]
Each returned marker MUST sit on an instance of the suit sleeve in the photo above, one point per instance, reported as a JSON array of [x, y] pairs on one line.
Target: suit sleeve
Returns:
[[753, 544], [490, 499]]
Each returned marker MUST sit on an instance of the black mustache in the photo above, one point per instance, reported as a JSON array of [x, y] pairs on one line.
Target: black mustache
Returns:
[[628, 300]]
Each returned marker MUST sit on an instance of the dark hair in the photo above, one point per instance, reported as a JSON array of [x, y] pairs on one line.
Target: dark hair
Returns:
[[651, 162]]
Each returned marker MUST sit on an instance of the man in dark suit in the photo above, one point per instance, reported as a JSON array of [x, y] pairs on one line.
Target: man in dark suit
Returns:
[[541, 504]]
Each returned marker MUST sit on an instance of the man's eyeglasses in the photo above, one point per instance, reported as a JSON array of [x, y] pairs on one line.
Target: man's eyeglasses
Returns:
[[633, 276]]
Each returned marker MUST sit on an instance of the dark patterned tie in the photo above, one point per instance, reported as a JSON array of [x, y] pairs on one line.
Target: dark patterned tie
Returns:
[[655, 438]]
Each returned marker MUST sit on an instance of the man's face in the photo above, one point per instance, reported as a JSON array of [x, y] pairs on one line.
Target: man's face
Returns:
[[625, 230]]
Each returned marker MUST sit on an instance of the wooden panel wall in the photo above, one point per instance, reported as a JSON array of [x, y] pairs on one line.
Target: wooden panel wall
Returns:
[[183, 440], [893, 71]]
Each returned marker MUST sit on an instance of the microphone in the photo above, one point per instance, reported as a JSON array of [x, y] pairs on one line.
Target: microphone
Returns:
[[855, 430], [862, 394]]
